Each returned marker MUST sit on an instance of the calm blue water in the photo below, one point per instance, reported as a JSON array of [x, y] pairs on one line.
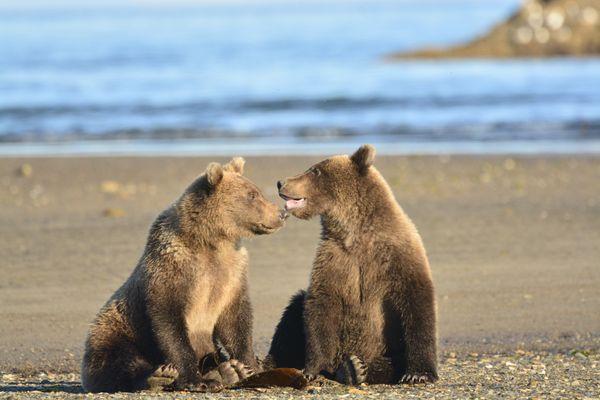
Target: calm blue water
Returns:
[[296, 72]]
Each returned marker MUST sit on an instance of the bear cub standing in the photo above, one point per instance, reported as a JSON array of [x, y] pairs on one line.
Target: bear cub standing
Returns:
[[369, 313], [187, 299]]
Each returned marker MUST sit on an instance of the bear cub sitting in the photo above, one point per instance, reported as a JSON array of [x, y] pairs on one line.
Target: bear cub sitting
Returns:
[[187, 300], [369, 313]]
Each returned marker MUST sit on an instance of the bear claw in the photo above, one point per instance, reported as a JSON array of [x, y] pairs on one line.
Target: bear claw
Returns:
[[416, 378], [206, 386], [309, 377], [352, 371], [164, 376]]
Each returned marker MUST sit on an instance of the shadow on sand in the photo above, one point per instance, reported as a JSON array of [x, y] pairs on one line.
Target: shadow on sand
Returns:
[[45, 387]]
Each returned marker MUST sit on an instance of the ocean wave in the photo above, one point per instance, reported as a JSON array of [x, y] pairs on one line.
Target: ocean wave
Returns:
[[571, 130], [292, 104]]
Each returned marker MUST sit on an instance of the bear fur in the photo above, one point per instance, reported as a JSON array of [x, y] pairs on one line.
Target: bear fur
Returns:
[[187, 300], [369, 314]]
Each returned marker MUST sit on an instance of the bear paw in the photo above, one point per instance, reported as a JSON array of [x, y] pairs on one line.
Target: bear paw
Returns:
[[205, 386], [309, 377], [417, 377], [352, 371], [233, 371], [164, 376]]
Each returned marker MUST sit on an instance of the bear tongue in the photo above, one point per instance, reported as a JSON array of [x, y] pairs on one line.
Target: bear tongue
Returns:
[[291, 204]]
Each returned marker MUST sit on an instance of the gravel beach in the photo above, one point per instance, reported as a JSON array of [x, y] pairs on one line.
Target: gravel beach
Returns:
[[522, 374]]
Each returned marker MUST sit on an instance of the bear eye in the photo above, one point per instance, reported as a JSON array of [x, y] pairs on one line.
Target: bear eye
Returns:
[[315, 171], [252, 195]]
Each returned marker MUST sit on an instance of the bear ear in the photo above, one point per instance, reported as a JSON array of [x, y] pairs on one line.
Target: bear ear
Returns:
[[214, 173], [363, 157], [235, 165]]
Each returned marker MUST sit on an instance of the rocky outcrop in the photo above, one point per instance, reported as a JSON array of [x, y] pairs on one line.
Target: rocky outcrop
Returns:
[[540, 28]]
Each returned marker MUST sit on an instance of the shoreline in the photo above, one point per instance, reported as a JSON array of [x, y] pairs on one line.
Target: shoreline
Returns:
[[191, 147]]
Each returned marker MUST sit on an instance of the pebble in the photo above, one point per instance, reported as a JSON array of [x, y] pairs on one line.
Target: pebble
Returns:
[[356, 391], [113, 212], [25, 170], [509, 164], [110, 187]]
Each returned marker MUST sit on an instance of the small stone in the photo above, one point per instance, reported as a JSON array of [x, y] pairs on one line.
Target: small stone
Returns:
[[110, 187], [589, 15], [25, 170], [36, 192], [555, 19], [509, 164], [113, 212], [9, 377], [524, 35], [356, 391], [485, 177]]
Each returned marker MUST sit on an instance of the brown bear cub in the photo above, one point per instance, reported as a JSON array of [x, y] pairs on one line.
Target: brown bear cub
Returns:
[[369, 313], [187, 301]]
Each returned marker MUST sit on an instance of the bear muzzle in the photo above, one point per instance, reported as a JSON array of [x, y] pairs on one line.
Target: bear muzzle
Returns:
[[292, 203]]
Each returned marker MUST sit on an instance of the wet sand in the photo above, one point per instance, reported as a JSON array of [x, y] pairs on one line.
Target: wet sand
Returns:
[[514, 245]]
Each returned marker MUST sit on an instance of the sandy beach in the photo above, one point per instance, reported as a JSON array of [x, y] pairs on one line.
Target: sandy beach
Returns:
[[513, 244]]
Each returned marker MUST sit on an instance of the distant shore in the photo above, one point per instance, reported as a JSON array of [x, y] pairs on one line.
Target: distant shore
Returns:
[[539, 28]]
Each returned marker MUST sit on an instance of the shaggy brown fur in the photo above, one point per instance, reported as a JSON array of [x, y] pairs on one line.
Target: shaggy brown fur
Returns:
[[188, 293], [369, 313]]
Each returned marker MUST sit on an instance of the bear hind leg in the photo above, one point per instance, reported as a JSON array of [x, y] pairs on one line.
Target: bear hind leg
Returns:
[[380, 370], [352, 371], [119, 368], [289, 342]]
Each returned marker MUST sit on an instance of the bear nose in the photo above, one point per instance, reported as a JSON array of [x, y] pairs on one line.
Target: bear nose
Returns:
[[279, 185]]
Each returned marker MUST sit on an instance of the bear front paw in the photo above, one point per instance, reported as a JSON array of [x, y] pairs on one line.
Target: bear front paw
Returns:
[[163, 377], [233, 371], [308, 376], [205, 386]]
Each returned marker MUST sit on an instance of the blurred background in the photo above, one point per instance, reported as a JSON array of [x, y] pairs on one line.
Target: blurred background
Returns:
[[266, 76]]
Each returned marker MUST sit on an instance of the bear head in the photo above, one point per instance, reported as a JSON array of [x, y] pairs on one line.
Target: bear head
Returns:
[[327, 184], [230, 204]]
